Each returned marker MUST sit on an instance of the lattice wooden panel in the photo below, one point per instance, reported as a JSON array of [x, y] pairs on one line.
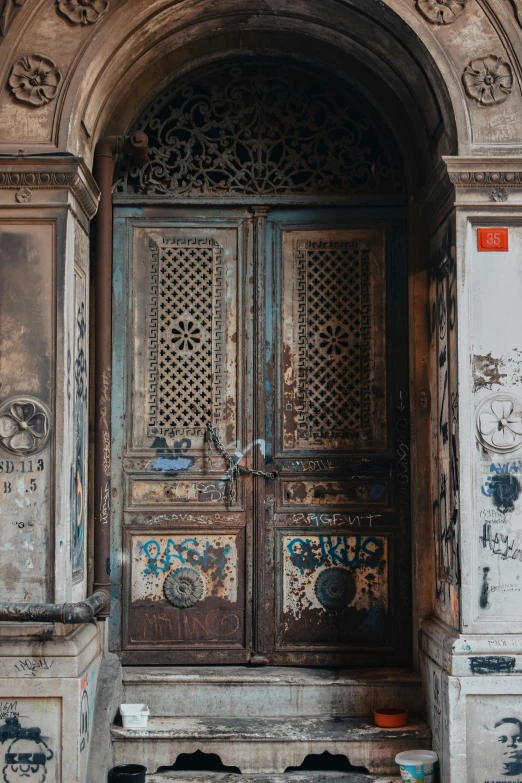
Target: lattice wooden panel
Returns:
[[334, 327], [184, 333], [333, 342]]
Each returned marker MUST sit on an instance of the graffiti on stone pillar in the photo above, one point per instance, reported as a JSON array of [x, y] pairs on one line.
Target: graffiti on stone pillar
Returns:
[[494, 738], [87, 697], [29, 739], [80, 417], [446, 479]]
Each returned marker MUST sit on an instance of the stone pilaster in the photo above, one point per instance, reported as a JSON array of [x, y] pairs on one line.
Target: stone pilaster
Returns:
[[45, 207], [48, 673], [472, 671]]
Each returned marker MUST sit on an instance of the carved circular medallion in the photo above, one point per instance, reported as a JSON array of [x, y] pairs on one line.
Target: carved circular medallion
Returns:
[[489, 79], [441, 11], [83, 11], [183, 587], [34, 79], [23, 196], [24, 425], [335, 588], [499, 423]]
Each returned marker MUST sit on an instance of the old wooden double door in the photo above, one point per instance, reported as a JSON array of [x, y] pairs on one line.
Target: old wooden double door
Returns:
[[285, 331]]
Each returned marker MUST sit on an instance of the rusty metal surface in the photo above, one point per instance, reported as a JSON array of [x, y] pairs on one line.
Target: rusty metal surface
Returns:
[[71, 614], [187, 589], [335, 588], [337, 526], [184, 355], [301, 369]]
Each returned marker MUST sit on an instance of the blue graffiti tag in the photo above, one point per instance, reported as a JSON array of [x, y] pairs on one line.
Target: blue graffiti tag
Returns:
[[366, 552], [211, 557], [499, 468]]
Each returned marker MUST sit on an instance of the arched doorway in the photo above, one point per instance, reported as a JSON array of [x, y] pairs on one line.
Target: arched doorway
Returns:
[[260, 408]]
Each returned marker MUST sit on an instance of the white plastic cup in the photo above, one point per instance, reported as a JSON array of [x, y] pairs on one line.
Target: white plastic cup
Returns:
[[134, 716], [417, 765]]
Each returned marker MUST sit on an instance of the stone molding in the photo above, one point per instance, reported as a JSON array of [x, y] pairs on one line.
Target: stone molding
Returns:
[[45, 173], [484, 172], [462, 654]]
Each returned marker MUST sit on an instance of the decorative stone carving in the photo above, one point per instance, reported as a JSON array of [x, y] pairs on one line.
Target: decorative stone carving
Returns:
[[24, 425], [335, 588], [8, 9], [82, 11], [23, 196], [488, 79], [473, 179], [441, 11], [499, 194], [34, 79], [183, 587], [86, 197], [232, 130], [499, 423]]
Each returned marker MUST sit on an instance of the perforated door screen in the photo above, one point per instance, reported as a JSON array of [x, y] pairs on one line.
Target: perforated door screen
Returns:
[[334, 340], [334, 307], [185, 334]]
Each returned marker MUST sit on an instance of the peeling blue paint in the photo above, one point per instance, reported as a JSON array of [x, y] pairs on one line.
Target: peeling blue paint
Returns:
[[166, 464]]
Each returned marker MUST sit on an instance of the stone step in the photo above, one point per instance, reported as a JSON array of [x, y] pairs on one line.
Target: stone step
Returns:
[[272, 691], [268, 745], [290, 777]]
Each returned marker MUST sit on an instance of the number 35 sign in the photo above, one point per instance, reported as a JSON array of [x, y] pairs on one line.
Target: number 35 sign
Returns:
[[492, 239]]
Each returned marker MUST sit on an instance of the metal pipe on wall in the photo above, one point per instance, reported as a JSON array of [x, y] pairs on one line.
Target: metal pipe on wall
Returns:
[[70, 614], [104, 158]]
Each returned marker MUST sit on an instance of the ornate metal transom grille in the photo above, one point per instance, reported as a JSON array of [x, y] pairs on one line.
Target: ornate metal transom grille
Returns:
[[185, 334], [334, 342], [261, 128]]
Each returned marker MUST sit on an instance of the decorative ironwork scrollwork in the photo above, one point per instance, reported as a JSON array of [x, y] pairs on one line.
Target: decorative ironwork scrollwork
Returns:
[[262, 128]]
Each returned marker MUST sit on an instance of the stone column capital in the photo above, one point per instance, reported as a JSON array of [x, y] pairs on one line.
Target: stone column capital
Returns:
[[492, 179], [35, 179]]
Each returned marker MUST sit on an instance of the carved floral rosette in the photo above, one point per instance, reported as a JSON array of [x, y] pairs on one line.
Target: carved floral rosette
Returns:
[[499, 423], [34, 79], [24, 426], [441, 11], [488, 79], [82, 11]]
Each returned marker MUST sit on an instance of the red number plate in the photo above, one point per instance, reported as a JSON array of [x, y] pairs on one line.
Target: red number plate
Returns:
[[492, 239]]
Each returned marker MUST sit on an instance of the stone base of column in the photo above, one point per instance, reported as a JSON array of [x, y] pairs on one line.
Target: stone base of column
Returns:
[[473, 698], [47, 696]]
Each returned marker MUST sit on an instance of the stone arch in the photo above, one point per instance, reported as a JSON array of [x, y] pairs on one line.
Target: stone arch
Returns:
[[380, 54]]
